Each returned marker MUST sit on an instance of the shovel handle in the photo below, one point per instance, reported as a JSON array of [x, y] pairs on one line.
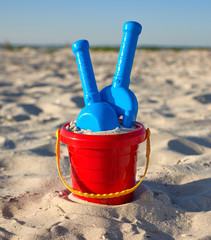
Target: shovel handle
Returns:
[[131, 31], [81, 51]]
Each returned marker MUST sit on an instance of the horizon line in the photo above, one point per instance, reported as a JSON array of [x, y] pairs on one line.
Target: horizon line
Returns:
[[8, 45]]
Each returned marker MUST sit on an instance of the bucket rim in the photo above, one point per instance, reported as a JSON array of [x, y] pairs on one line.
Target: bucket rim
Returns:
[[103, 141]]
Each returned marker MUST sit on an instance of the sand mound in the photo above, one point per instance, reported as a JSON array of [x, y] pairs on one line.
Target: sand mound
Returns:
[[40, 92]]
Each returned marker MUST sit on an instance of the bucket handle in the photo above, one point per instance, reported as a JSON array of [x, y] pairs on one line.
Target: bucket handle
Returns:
[[106, 195]]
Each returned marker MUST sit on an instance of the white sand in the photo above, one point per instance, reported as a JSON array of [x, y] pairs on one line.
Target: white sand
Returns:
[[40, 92], [119, 130]]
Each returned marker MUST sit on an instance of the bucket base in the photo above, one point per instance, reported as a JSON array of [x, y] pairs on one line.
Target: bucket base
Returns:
[[109, 201]]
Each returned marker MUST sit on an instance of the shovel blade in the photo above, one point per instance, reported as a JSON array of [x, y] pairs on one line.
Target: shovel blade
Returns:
[[124, 102], [97, 117]]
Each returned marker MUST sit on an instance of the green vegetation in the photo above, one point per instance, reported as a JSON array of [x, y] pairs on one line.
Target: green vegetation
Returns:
[[7, 45], [105, 48], [50, 49], [175, 49], [148, 48]]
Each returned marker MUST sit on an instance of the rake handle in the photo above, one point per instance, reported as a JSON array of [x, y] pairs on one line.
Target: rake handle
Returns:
[[81, 51], [131, 31]]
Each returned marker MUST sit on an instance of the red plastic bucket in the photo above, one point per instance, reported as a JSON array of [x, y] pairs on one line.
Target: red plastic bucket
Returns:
[[103, 164]]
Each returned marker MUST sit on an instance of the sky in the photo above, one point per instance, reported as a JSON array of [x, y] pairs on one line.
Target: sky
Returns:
[[164, 22]]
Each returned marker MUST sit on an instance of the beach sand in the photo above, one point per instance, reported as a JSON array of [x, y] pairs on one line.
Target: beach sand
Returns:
[[40, 92]]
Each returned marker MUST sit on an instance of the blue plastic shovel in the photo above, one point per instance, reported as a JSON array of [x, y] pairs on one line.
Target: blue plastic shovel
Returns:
[[96, 115], [121, 98]]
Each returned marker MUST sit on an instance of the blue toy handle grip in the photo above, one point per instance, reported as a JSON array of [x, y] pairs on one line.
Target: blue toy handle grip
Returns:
[[81, 51], [131, 31]]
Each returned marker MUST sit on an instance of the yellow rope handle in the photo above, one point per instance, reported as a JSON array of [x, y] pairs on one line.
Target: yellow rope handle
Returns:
[[106, 195]]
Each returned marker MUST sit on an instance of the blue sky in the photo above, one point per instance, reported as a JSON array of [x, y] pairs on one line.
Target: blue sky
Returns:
[[164, 22]]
